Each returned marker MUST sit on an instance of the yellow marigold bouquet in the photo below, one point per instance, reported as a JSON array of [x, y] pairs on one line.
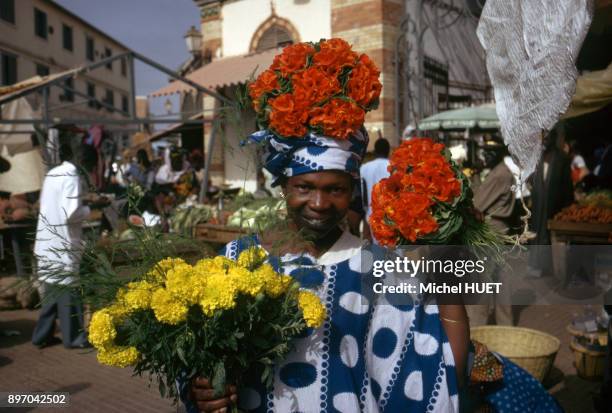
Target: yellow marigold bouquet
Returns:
[[217, 318]]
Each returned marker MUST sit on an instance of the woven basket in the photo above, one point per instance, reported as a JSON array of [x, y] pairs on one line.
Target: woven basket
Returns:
[[589, 364], [533, 350]]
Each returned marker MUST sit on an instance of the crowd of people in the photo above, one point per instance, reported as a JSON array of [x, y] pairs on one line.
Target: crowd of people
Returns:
[[371, 354]]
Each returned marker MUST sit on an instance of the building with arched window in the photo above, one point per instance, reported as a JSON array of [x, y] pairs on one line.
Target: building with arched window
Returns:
[[241, 37]]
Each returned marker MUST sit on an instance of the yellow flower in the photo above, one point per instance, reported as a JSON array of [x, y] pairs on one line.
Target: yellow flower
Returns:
[[252, 257], [102, 330], [246, 281], [275, 284], [312, 308], [179, 283], [118, 356], [158, 272], [137, 296], [167, 308], [118, 311], [219, 293], [217, 264]]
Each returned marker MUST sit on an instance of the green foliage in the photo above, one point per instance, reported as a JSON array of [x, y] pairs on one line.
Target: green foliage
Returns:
[[223, 347]]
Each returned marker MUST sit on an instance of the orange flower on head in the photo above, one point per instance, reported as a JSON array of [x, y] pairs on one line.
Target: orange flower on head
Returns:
[[363, 85], [314, 85], [287, 117], [267, 81], [334, 55], [338, 118], [293, 58]]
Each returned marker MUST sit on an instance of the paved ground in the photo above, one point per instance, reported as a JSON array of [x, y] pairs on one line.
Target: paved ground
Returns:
[[96, 388], [93, 388]]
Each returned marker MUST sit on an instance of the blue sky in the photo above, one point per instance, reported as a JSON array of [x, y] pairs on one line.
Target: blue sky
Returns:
[[154, 28]]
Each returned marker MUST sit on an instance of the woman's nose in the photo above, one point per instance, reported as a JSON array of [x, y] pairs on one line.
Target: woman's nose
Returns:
[[319, 201]]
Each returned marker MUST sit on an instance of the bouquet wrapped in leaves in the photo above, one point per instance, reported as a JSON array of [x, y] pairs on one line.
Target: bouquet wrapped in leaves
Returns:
[[217, 318], [427, 200], [322, 87]]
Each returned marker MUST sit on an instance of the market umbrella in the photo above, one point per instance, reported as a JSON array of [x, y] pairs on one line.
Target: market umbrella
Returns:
[[17, 138], [483, 117], [26, 173], [593, 92]]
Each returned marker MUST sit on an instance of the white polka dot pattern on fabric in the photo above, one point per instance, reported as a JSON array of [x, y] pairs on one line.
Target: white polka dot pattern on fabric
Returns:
[[431, 309], [454, 400], [346, 402], [425, 344], [354, 302], [249, 399], [413, 389], [447, 351], [349, 351], [355, 263]]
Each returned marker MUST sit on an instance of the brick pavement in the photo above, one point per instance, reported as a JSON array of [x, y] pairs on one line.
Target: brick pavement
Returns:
[[96, 388], [93, 388]]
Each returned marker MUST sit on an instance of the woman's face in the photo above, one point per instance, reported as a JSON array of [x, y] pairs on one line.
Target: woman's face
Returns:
[[318, 201]]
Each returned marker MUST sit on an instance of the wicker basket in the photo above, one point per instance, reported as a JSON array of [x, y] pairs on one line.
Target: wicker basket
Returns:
[[589, 364], [533, 350]]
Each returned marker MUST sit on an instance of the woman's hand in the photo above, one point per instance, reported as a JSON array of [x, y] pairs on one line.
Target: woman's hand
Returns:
[[203, 395]]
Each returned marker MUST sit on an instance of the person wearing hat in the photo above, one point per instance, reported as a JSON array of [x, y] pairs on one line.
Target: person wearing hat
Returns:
[[372, 353], [368, 352]]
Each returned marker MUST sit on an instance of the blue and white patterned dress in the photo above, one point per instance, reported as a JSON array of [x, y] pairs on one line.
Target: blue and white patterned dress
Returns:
[[368, 356]]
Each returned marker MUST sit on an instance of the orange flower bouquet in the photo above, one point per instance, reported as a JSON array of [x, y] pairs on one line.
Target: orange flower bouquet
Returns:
[[426, 200], [323, 87]]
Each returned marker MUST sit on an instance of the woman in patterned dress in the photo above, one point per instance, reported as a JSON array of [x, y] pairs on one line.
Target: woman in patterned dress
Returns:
[[370, 355]]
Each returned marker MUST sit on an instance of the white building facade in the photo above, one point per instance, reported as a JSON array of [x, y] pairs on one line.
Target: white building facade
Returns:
[[40, 37]]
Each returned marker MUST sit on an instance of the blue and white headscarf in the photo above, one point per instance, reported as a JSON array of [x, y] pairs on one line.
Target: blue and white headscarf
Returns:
[[290, 157]]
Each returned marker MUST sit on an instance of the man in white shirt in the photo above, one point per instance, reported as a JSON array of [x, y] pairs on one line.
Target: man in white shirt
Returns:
[[58, 252], [174, 166], [371, 173]]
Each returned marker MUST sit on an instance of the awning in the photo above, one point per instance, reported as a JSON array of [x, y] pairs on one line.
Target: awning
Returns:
[[179, 127], [16, 138], [593, 92], [7, 92], [223, 72], [483, 117]]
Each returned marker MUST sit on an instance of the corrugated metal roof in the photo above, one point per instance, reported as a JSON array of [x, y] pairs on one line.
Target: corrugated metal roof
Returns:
[[223, 72]]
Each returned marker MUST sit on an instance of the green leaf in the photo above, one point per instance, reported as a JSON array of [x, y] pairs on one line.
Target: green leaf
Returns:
[[218, 380], [260, 342], [181, 354], [162, 388]]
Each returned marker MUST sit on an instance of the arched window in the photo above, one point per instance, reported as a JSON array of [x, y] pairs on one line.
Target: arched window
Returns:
[[275, 36], [274, 32]]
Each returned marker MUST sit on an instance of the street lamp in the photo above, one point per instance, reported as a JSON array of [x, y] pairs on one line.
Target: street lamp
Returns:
[[193, 38]]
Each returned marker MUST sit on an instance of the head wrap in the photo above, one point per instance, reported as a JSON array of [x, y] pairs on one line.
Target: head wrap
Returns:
[[311, 104], [290, 157]]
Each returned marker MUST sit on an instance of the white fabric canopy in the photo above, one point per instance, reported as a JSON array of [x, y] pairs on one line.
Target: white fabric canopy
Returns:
[[593, 92], [531, 48], [20, 142], [27, 172]]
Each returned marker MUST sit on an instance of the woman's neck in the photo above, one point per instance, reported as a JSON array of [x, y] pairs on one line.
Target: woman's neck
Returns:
[[295, 241]]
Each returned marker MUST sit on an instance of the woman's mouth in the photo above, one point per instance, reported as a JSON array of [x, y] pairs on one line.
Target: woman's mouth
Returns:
[[317, 222]]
